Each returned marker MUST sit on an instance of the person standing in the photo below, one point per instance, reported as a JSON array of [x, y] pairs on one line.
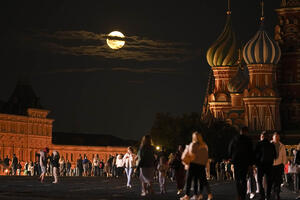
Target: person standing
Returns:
[[62, 166], [297, 163], [278, 165], [198, 153], [43, 163], [31, 168], [68, 168], [96, 162], [178, 167], [119, 165], [14, 165], [241, 153], [146, 164], [79, 165], [55, 165], [265, 154], [129, 162], [101, 167], [85, 164]]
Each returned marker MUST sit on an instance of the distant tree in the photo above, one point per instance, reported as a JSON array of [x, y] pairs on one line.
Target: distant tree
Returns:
[[170, 131]]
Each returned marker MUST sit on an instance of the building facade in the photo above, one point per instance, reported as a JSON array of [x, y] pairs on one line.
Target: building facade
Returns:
[[252, 86], [25, 130], [287, 33]]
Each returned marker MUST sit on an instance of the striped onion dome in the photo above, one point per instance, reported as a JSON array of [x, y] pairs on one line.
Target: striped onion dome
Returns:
[[223, 52], [238, 82], [261, 49]]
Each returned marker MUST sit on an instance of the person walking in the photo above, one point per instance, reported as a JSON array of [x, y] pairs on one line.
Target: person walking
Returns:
[[43, 163], [178, 167], [162, 169], [55, 165], [129, 163], [278, 165], [241, 154], [197, 152], [146, 164], [265, 154]]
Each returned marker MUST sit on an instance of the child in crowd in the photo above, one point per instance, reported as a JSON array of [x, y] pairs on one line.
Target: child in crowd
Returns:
[[162, 168]]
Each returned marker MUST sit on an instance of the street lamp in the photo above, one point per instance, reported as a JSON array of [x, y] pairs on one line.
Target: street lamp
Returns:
[[157, 147]]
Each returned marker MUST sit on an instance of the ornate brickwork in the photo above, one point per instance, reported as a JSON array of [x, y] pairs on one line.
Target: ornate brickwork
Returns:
[[287, 33]]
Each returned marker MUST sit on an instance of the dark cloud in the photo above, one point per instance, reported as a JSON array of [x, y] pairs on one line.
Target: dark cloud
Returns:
[[136, 48], [116, 69]]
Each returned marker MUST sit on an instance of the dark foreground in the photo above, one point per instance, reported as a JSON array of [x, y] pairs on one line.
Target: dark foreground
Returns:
[[90, 188]]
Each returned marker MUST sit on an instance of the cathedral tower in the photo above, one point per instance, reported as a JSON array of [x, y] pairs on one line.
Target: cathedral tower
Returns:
[[261, 99], [222, 57]]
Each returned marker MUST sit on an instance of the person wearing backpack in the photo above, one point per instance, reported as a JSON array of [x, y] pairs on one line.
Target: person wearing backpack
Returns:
[[265, 154], [241, 153]]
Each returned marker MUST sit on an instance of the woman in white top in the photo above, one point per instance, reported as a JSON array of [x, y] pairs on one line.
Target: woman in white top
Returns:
[[129, 163], [119, 165]]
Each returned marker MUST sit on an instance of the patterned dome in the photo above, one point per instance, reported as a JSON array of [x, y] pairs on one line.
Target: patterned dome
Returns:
[[261, 49], [238, 82], [223, 52]]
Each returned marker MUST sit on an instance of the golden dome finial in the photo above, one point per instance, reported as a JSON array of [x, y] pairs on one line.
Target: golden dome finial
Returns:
[[262, 11], [228, 9]]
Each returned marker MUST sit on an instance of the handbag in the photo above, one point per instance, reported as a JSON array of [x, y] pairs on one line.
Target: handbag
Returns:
[[186, 157]]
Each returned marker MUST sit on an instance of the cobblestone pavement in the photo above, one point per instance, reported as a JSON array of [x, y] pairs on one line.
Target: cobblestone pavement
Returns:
[[98, 188]]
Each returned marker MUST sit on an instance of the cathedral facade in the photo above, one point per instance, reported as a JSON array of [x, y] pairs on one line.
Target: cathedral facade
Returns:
[[251, 86]]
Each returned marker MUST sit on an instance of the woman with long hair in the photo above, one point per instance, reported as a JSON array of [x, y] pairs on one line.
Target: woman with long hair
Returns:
[[198, 152], [146, 164]]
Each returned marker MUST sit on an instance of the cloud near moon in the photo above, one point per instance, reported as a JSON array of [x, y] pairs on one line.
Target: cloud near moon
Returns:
[[137, 48]]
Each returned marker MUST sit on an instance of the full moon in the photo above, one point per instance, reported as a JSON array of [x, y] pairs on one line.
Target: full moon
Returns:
[[115, 43]]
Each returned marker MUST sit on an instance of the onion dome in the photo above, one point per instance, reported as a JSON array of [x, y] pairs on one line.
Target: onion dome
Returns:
[[261, 49], [238, 82], [223, 52]]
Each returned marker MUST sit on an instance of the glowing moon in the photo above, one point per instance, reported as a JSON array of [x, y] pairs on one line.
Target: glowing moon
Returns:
[[113, 43]]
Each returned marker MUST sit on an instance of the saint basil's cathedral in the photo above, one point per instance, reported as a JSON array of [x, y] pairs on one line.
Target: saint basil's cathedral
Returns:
[[258, 85]]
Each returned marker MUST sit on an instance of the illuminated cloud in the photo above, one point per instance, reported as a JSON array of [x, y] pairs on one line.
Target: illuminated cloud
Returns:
[[117, 69], [84, 43]]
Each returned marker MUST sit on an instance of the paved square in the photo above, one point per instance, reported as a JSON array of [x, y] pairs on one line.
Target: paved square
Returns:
[[98, 188]]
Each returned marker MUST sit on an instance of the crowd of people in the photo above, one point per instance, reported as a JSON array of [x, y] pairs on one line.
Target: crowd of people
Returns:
[[260, 169]]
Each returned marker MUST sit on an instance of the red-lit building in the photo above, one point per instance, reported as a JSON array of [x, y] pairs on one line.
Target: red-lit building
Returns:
[[259, 85], [25, 130]]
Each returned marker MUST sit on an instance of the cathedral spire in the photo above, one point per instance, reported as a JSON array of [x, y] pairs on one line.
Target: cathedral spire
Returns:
[[228, 7], [262, 18]]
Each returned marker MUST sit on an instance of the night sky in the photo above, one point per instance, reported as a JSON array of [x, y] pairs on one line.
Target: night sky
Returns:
[[91, 88]]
